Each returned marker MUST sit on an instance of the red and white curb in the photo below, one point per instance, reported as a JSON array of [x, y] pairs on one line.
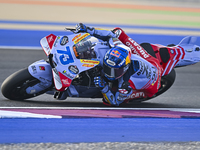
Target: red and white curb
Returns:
[[79, 112]]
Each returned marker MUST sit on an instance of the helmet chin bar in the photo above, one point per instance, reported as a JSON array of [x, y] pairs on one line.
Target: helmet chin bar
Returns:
[[112, 75], [113, 78], [110, 78]]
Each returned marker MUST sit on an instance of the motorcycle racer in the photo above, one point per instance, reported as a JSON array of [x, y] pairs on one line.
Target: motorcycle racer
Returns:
[[137, 72]]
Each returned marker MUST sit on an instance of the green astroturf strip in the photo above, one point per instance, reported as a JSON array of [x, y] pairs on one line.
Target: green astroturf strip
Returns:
[[177, 13], [164, 22], [152, 21]]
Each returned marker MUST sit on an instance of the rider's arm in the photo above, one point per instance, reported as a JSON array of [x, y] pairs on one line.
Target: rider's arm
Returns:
[[104, 35]]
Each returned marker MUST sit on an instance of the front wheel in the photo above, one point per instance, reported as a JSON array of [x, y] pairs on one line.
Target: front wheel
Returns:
[[14, 87]]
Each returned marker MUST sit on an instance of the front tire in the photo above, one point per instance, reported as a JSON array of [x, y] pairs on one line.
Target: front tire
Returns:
[[14, 87]]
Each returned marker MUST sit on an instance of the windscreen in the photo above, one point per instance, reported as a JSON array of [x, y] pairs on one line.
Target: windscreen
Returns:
[[85, 49]]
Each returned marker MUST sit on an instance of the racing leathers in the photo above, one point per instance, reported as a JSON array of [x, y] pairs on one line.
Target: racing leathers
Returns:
[[142, 79]]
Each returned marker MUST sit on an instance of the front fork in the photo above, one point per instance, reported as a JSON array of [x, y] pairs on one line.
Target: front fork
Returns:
[[42, 71]]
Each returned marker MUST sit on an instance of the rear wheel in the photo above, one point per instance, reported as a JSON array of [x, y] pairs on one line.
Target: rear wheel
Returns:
[[14, 87], [166, 82]]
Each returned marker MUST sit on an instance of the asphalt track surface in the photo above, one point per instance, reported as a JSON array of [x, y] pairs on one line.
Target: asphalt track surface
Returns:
[[183, 94]]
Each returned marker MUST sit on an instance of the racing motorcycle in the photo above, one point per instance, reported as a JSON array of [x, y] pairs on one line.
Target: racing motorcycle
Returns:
[[74, 60]]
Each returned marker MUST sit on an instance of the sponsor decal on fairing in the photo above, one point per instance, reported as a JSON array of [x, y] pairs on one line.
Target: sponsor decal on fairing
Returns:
[[42, 68], [64, 40], [76, 37], [66, 56], [50, 40], [34, 69], [69, 75], [136, 95], [139, 50], [87, 65], [89, 61], [80, 38], [73, 69]]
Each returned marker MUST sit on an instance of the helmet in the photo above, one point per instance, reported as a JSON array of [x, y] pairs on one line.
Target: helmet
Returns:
[[116, 62]]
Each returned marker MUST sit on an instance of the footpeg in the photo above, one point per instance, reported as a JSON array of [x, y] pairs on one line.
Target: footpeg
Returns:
[[60, 95]]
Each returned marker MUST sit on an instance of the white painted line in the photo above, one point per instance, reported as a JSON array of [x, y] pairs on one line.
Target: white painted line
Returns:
[[13, 114], [107, 108], [22, 47], [188, 110]]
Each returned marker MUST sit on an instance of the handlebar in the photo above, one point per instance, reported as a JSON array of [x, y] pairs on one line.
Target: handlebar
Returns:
[[70, 29]]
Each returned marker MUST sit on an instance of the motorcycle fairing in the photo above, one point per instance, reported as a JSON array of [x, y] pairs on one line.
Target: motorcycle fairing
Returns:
[[188, 40], [183, 54], [192, 51], [65, 65], [40, 70], [47, 43], [101, 48]]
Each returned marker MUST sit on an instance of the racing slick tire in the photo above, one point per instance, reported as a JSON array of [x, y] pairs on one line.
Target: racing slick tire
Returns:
[[14, 87], [166, 82]]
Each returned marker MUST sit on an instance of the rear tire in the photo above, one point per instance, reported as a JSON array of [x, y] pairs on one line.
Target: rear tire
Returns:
[[166, 82], [14, 87]]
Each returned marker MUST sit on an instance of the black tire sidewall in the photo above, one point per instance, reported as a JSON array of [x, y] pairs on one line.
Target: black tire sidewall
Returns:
[[15, 80], [169, 79]]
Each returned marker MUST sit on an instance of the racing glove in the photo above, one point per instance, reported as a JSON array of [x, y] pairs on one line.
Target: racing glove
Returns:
[[105, 89], [80, 28], [109, 98], [123, 92], [99, 82]]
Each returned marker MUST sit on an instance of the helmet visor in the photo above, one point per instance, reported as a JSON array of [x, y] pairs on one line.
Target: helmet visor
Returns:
[[113, 72]]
